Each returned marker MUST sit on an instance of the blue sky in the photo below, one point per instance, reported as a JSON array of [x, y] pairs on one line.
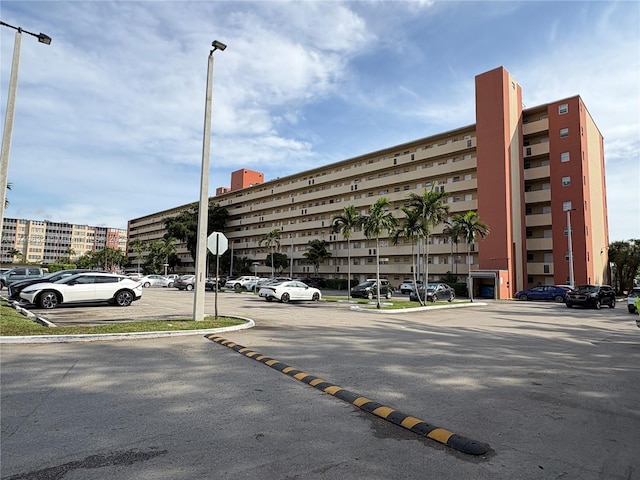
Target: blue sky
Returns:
[[109, 117]]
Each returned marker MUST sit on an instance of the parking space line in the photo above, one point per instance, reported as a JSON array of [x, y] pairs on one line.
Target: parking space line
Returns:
[[413, 424]]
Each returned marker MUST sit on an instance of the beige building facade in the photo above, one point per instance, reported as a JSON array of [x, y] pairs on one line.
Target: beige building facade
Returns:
[[44, 242], [527, 172]]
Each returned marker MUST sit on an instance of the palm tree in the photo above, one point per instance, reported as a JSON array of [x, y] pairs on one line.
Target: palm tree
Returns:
[[272, 241], [317, 254], [137, 246], [6, 200], [378, 220], [432, 212], [471, 227], [16, 253], [345, 224], [411, 228], [169, 249], [454, 234]]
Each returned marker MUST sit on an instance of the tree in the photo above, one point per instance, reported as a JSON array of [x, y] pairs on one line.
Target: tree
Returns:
[[471, 227], [242, 265], [345, 223], [625, 257], [317, 253], [432, 212], [109, 259], [16, 253], [454, 234], [272, 241], [137, 246], [378, 220], [184, 226], [411, 228], [280, 261], [6, 200]]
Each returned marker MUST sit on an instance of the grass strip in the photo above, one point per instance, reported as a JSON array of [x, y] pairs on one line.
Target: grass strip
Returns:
[[13, 323]]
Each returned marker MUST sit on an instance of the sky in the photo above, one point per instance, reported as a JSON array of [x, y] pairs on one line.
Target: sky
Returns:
[[109, 118]]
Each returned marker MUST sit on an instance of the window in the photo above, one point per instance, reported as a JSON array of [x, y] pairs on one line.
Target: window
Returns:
[[565, 156], [566, 181], [566, 206], [562, 109], [564, 132]]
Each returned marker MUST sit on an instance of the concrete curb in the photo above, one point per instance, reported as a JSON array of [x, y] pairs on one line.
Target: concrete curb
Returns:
[[356, 308], [445, 437], [99, 337]]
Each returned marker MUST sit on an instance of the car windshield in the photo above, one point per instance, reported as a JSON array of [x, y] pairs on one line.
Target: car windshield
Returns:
[[587, 288], [432, 286], [67, 279], [367, 284]]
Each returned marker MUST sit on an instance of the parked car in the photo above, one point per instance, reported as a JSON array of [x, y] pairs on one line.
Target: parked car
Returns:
[[368, 289], [266, 281], [289, 291], [155, 281], [210, 283], [240, 282], [634, 294], [20, 273], [86, 287], [434, 292], [316, 282], [543, 292], [591, 296], [407, 286], [15, 288], [185, 282]]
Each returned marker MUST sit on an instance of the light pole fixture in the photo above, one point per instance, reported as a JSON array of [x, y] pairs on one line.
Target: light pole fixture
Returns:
[[203, 210], [9, 114], [570, 241]]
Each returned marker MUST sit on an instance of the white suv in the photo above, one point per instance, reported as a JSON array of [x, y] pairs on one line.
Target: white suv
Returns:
[[241, 282], [407, 286], [634, 294]]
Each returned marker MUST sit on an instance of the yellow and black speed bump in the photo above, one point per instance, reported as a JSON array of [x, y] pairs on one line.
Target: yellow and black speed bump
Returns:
[[457, 442]]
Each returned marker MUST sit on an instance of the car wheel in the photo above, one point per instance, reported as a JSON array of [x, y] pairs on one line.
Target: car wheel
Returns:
[[523, 297], [388, 295], [170, 285], [48, 300], [189, 287], [597, 305], [569, 305], [631, 309], [370, 295], [285, 298], [559, 299], [316, 297], [123, 298], [146, 284], [613, 303], [237, 287], [451, 297], [268, 298], [434, 298]]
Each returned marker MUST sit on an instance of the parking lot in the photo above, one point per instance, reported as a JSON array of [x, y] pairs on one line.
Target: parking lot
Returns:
[[552, 391]]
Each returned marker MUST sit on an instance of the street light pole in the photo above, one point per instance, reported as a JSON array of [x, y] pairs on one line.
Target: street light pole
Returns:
[[203, 210], [571, 277], [9, 114]]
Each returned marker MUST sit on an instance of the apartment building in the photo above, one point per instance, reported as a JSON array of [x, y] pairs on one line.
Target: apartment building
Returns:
[[47, 242], [534, 175]]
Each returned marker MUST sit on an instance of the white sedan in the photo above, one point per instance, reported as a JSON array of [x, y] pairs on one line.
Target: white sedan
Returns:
[[84, 288], [289, 291]]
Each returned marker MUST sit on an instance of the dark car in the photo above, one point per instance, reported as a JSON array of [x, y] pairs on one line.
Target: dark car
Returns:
[[368, 289], [434, 292], [210, 283], [591, 296], [16, 287], [185, 282], [315, 282], [543, 292]]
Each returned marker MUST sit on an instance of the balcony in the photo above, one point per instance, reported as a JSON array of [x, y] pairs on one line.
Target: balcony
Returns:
[[535, 150], [539, 220], [537, 172], [539, 268], [540, 244], [535, 127], [537, 196]]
